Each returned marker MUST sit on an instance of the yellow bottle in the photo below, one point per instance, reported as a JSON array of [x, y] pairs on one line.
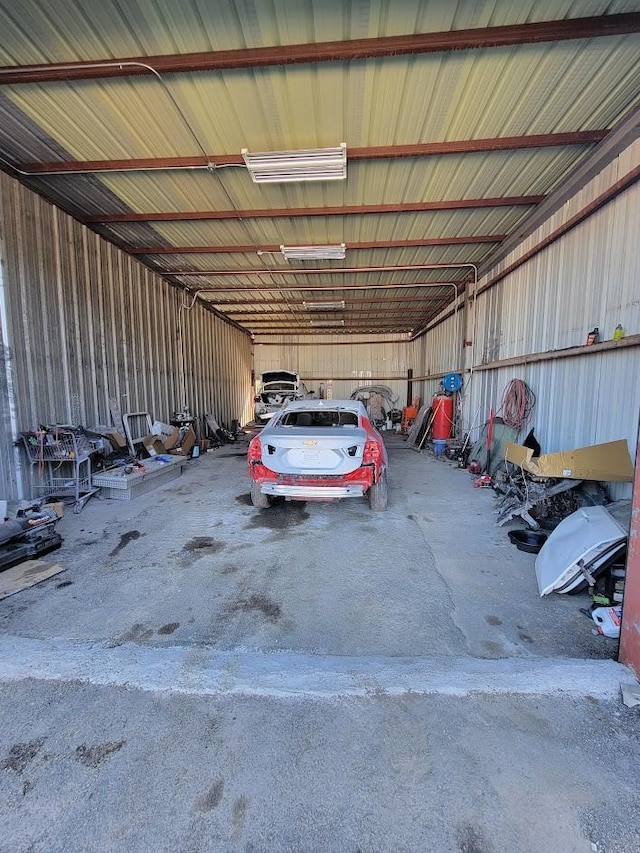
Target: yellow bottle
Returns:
[[618, 333]]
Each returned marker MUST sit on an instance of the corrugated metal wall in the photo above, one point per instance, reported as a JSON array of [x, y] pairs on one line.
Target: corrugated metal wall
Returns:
[[588, 277], [437, 353], [87, 325], [349, 361]]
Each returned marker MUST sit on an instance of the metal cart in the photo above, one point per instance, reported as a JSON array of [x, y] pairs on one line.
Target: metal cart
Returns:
[[61, 458]]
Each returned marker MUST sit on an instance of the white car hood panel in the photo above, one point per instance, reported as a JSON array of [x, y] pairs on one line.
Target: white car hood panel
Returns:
[[583, 537]]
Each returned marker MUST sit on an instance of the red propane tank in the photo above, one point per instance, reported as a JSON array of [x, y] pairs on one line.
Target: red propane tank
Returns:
[[442, 417]]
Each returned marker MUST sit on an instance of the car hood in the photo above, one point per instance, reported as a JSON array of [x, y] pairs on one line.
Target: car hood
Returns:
[[294, 450]]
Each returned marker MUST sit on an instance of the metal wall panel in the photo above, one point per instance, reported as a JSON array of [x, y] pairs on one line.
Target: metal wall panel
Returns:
[[589, 277], [349, 361], [7, 408], [88, 325], [579, 401], [438, 352]]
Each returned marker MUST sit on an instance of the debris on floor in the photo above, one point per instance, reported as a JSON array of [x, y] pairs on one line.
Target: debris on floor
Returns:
[[580, 548], [556, 484], [607, 620], [630, 694], [218, 435], [26, 574], [28, 532]]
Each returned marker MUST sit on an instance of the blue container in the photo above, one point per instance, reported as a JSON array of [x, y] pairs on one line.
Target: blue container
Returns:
[[439, 445], [452, 382]]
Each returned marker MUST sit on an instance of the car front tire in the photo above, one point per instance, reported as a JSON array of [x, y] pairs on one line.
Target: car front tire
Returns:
[[259, 500], [378, 494]]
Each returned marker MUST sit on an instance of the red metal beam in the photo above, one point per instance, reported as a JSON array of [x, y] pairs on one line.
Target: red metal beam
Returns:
[[302, 288], [318, 271], [366, 301], [373, 244], [334, 51], [340, 330], [382, 152], [347, 314], [338, 343], [345, 210]]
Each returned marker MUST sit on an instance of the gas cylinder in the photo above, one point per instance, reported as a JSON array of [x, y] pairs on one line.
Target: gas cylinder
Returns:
[[442, 417]]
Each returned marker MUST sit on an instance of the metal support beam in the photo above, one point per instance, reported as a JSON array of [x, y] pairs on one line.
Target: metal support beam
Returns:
[[273, 249], [334, 51], [381, 152], [344, 210]]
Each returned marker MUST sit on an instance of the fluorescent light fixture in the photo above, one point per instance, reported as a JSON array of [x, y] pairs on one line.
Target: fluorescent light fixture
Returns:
[[312, 164], [324, 306], [326, 323], [314, 253]]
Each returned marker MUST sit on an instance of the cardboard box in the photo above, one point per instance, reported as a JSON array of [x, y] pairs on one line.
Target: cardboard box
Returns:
[[153, 445], [169, 435], [186, 445], [172, 439], [188, 440], [56, 506], [115, 438], [609, 462]]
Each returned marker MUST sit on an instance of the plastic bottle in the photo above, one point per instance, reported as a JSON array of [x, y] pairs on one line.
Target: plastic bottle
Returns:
[[593, 337], [618, 332], [607, 620]]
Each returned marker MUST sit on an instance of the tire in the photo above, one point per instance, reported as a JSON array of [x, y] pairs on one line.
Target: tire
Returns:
[[259, 500], [378, 494]]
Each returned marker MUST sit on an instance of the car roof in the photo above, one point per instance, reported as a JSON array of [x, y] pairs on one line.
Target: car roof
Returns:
[[311, 405]]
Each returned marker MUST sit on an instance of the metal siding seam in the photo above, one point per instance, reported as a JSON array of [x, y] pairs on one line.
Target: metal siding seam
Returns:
[[81, 328], [103, 414], [91, 295], [61, 415], [160, 346], [124, 328], [11, 469], [39, 256], [130, 286], [113, 383], [20, 334], [146, 337]]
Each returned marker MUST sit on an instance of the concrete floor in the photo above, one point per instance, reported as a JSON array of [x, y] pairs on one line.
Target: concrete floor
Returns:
[[207, 676]]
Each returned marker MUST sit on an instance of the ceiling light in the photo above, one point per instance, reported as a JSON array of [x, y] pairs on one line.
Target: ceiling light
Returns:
[[313, 164], [324, 306], [326, 323], [314, 253]]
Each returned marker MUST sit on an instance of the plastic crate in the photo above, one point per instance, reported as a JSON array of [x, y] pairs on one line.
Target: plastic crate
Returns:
[[117, 485]]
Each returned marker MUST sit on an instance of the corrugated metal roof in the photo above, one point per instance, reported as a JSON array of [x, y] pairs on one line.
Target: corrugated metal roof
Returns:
[[492, 92], [83, 29]]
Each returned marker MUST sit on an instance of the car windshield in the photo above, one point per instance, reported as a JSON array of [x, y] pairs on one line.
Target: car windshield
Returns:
[[319, 418]]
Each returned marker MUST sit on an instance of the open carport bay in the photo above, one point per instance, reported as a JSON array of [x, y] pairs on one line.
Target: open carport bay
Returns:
[[195, 563], [310, 677]]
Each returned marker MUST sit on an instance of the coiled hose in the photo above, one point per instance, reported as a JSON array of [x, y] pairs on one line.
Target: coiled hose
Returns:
[[518, 401]]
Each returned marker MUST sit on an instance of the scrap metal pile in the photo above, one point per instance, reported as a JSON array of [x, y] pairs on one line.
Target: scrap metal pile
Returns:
[[552, 486], [537, 500]]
